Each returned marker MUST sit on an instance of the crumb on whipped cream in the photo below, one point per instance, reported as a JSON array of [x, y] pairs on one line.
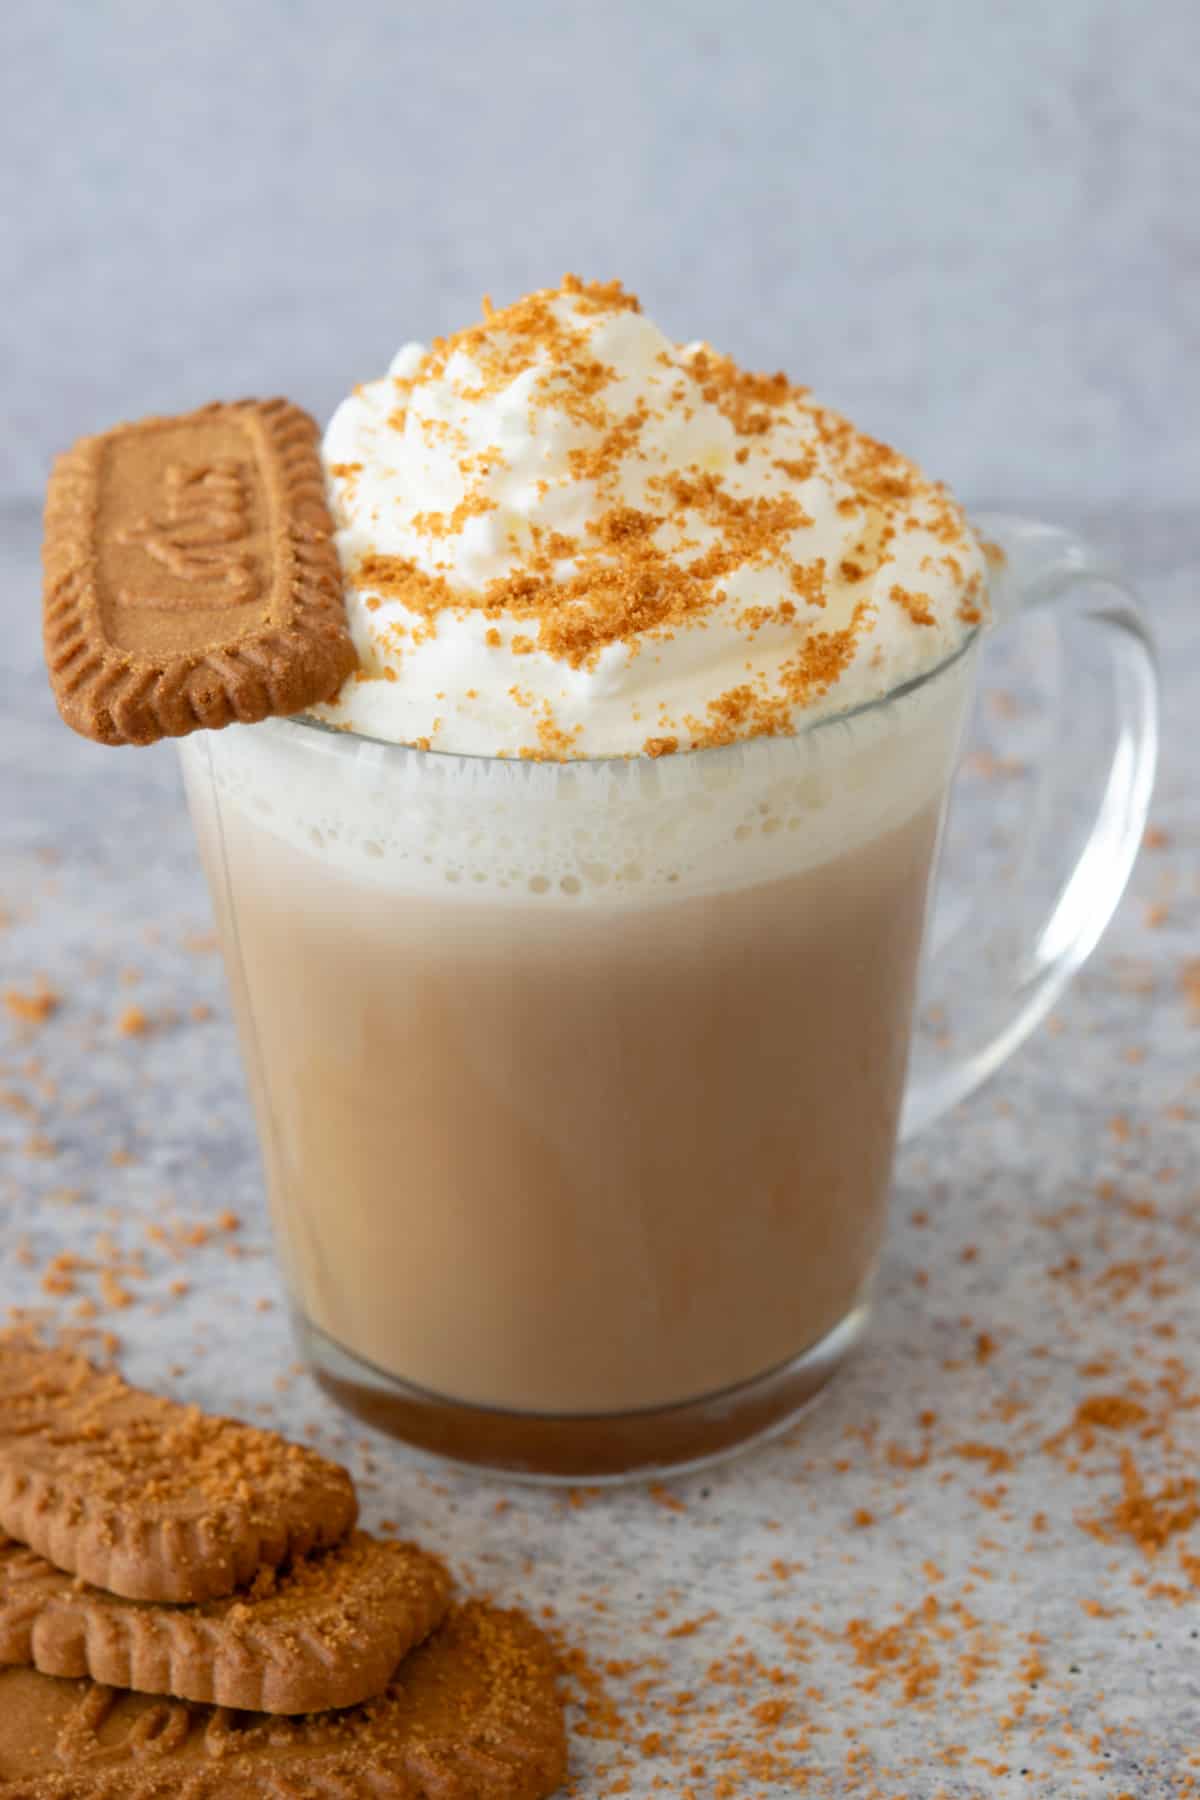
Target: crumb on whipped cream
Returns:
[[565, 536]]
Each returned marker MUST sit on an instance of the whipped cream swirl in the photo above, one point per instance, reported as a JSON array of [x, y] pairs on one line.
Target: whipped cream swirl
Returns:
[[566, 536]]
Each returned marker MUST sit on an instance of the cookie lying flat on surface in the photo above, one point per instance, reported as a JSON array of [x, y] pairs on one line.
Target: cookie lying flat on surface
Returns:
[[472, 1715], [328, 1631], [191, 578], [148, 1498]]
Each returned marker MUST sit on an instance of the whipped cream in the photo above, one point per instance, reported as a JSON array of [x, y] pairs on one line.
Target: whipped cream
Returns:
[[565, 536]]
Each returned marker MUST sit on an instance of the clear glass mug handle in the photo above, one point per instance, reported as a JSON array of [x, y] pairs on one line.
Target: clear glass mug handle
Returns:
[[1021, 905]]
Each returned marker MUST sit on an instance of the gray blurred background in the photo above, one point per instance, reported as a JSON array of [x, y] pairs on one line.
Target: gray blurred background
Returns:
[[972, 224]]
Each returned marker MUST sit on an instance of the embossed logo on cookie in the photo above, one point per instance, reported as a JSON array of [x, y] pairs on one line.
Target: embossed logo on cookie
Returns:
[[107, 1727], [206, 516]]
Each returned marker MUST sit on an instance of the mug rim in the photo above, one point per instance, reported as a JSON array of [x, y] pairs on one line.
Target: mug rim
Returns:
[[331, 734]]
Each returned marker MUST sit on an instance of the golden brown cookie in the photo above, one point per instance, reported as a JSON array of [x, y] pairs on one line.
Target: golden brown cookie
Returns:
[[148, 1498], [191, 579], [472, 1715], [327, 1631]]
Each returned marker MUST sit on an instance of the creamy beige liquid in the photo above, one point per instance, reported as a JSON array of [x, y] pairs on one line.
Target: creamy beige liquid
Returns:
[[578, 1157]]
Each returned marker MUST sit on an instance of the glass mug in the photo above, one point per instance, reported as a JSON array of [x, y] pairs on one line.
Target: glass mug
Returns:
[[578, 1085]]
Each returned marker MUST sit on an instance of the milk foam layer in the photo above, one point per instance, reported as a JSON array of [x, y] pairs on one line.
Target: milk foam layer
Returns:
[[601, 833], [565, 536]]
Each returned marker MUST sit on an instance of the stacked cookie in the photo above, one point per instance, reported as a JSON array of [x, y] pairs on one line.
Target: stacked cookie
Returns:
[[186, 1608]]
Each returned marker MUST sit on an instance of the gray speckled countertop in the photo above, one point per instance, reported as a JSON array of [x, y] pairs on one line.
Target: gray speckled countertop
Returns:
[[931, 1587]]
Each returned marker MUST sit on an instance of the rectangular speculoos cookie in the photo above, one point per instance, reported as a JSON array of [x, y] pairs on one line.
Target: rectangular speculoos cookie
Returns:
[[473, 1714], [327, 1631], [191, 579], [146, 1497]]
